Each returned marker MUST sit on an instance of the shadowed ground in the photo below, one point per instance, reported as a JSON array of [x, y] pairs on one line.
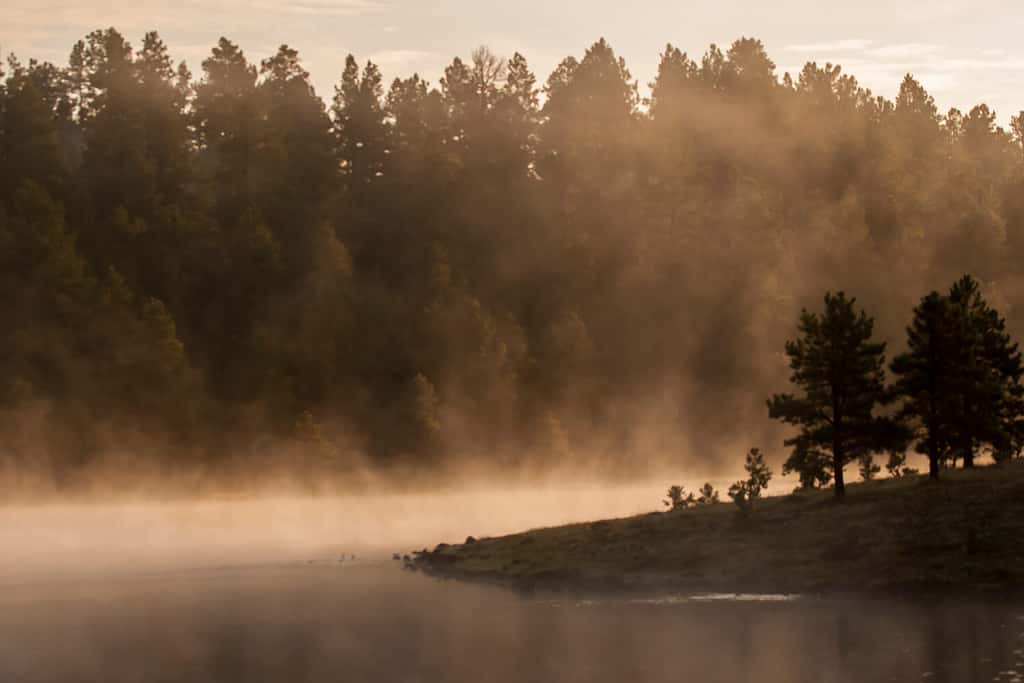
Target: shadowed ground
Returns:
[[959, 535]]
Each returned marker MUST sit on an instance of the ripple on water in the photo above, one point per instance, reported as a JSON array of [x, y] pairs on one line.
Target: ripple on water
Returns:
[[745, 597], [685, 599]]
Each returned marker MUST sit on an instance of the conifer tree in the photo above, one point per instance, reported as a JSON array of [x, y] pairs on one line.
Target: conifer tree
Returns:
[[359, 125], [840, 372], [926, 379]]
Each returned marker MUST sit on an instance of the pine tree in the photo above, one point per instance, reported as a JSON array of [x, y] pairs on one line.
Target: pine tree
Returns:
[[673, 90], [30, 140], [516, 116], [989, 373], [961, 377], [225, 118], [840, 372], [591, 110], [745, 492], [359, 125], [926, 379]]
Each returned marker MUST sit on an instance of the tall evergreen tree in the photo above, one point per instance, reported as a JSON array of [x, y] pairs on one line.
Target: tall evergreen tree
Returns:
[[30, 130], [989, 373], [840, 371], [226, 115], [359, 125], [926, 379]]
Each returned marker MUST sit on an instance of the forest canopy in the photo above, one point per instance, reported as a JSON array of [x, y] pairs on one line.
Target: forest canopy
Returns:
[[493, 267]]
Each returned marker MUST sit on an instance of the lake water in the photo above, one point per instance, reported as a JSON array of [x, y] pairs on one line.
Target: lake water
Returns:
[[265, 591]]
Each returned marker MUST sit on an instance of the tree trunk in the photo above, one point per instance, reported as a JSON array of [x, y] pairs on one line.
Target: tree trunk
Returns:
[[969, 453], [837, 448], [933, 460], [837, 467]]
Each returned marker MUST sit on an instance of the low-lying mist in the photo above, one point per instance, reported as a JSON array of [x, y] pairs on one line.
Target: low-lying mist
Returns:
[[273, 602], [98, 537]]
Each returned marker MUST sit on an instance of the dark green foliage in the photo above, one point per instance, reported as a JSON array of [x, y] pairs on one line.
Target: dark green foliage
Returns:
[[897, 465], [218, 263], [991, 394], [358, 117], [708, 495], [926, 377], [960, 378], [811, 465], [745, 492], [867, 467], [678, 499], [840, 372]]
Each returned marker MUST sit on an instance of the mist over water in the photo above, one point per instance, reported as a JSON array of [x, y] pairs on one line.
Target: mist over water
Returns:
[[97, 539], [324, 622], [268, 590], [294, 335]]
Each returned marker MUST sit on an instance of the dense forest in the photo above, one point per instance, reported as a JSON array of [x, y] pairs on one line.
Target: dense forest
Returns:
[[202, 267]]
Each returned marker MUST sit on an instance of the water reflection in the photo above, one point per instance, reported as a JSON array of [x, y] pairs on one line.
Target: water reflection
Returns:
[[367, 621]]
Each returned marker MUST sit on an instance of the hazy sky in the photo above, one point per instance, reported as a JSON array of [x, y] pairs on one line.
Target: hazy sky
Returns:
[[964, 52]]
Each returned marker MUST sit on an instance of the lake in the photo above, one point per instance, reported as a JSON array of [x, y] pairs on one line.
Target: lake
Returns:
[[269, 591]]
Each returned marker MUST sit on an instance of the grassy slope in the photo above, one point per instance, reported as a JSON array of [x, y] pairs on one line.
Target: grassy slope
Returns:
[[963, 533]]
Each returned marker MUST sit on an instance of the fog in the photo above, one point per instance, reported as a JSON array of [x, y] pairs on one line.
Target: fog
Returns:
[[101, 539], [264, 338], [504, 267], [257, 590]]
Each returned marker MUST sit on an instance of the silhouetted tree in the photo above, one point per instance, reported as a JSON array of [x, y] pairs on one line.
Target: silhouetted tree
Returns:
[[359, 122], [225, 117], [961, 377], [867, 467], [841, 374], [678, 499], [708, 495], [745, 492], [926, 378], [897, 465], [812, 466], [978, 384]]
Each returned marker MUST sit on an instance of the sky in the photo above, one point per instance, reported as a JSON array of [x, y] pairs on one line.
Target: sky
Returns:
[[964, 52]]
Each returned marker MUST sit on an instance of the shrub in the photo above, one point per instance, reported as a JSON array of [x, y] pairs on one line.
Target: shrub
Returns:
[[897, 466], [867, 467], [708, 495], [678, 499], [744, 493]]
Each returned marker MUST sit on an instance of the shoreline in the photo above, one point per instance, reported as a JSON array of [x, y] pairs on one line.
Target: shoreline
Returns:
[[962, 536]]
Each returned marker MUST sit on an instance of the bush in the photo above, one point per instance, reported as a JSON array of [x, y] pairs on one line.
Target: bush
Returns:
[[897, 466], [867, 467], [744, 493], [678, 499], [708, 495], [813, 466]]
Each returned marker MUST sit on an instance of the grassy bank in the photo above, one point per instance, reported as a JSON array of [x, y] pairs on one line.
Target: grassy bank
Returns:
[[962, 534]]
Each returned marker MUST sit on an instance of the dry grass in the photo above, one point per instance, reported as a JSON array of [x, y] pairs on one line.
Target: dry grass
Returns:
[[961, 534]]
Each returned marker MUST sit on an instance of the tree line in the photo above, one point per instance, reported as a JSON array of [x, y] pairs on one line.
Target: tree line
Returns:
[[492, 266]]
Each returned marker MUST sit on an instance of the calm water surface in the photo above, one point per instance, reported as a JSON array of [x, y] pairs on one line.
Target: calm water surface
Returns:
[[241, 614]]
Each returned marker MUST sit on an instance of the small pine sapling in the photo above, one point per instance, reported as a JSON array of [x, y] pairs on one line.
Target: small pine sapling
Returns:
[[867, 467], [678, 499], [708, 495], [897, 466], [744, 493]]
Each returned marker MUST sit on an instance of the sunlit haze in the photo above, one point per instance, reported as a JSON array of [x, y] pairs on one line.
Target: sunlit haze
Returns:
[[964, 53], [547, 341]]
